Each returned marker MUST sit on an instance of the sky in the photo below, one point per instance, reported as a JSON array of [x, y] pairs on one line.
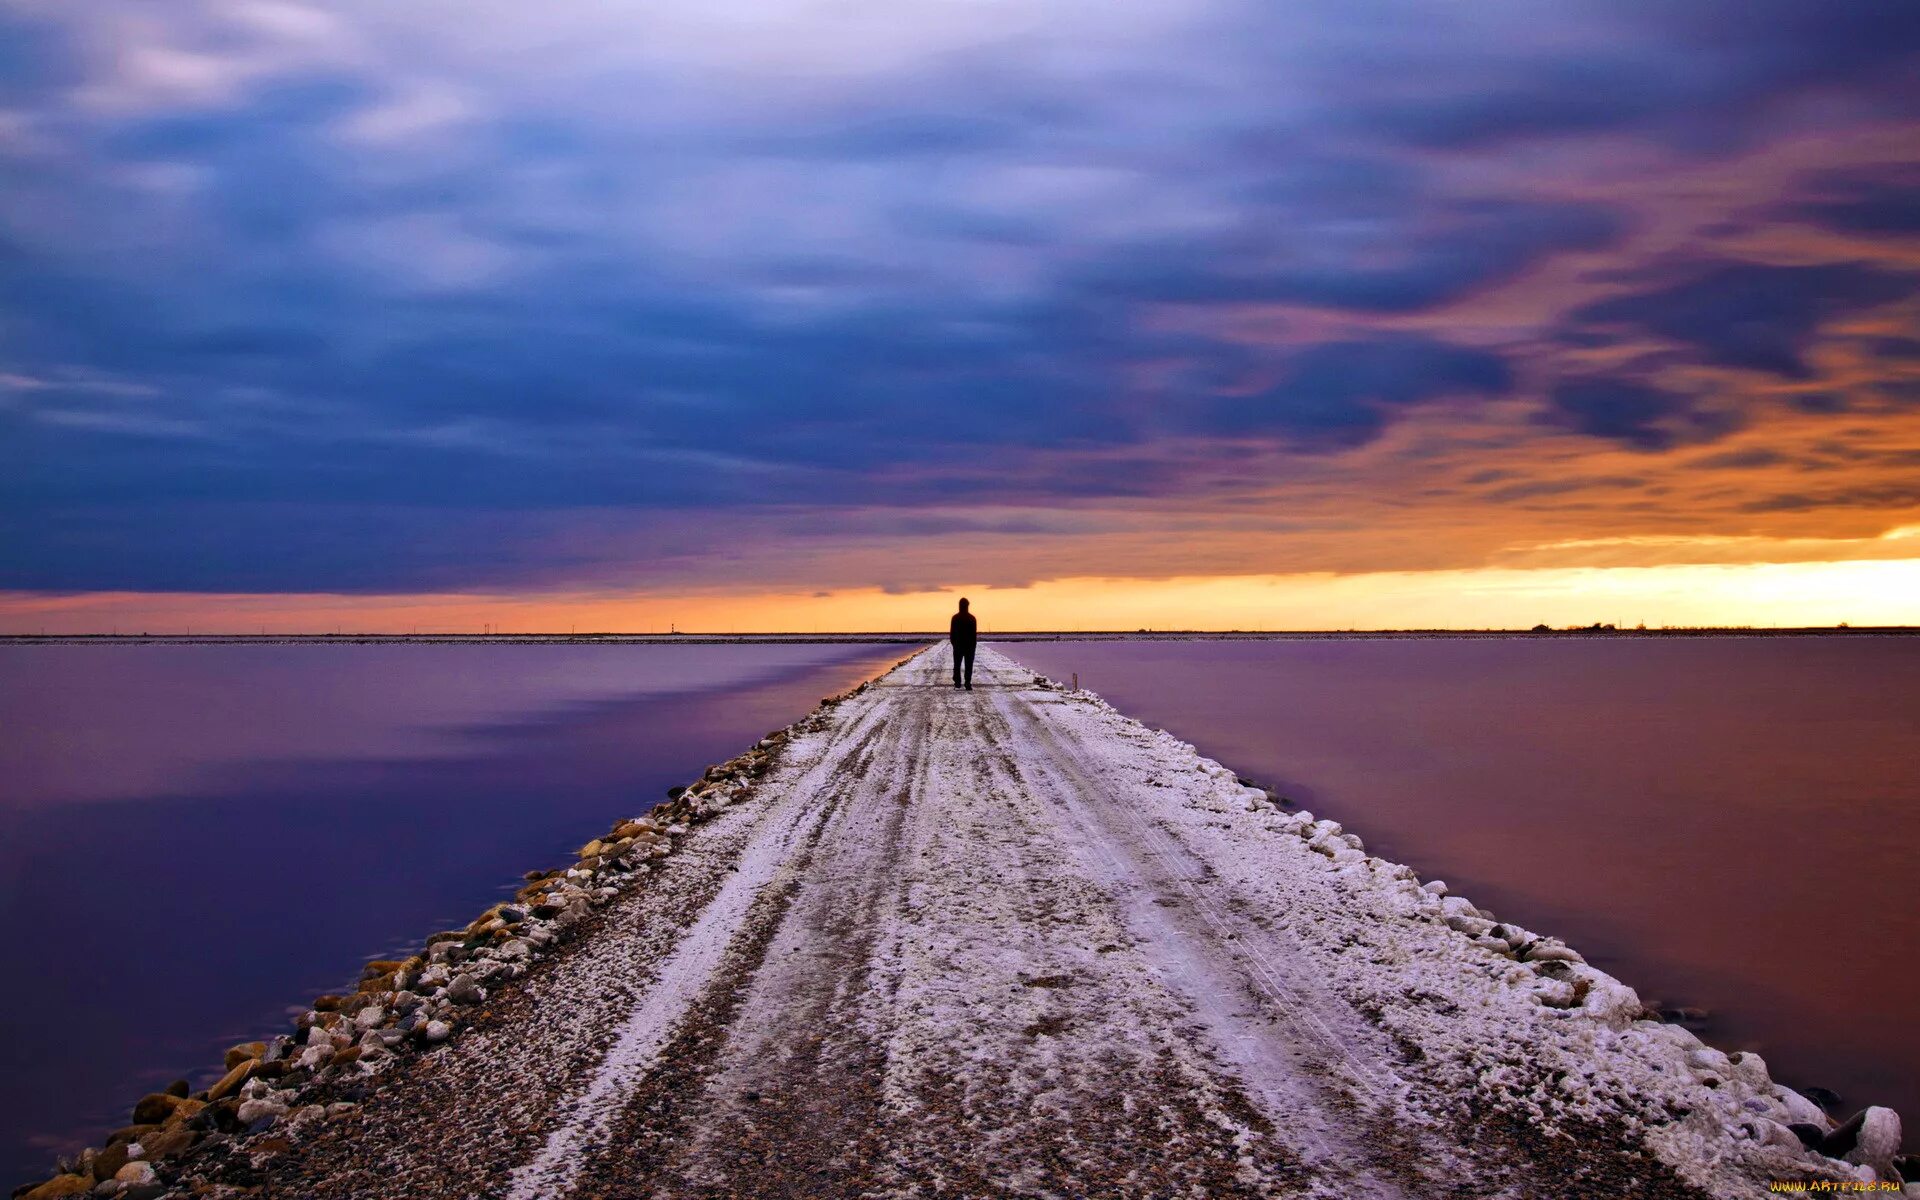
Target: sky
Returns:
[[797, 314]]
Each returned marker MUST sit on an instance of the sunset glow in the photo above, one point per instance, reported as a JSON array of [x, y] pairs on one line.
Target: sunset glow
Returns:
[[789, 316]]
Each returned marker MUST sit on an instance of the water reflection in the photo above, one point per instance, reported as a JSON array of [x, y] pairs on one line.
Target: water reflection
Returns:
[[223, 832]]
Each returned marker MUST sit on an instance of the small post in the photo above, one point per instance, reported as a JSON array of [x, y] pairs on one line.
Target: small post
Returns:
[[1076, 681]]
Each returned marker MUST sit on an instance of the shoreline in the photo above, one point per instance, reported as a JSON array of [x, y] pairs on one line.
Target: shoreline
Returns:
[[1501, 980]]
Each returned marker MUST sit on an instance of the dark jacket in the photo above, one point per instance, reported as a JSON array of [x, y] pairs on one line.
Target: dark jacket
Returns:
[[962, 630]]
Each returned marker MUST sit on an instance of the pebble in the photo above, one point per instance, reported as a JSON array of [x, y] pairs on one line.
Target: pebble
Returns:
[[463, 990], [438, 1031]]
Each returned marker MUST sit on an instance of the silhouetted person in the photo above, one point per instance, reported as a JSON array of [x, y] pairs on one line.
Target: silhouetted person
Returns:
[[962, 631]]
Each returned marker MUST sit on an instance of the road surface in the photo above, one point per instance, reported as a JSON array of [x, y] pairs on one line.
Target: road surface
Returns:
[[1008, 942]]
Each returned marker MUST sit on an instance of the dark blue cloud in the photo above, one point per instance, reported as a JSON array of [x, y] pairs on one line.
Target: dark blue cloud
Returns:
[[1750, 315], [1338, 395], [1878, 201], [1634, 413], [1426, 258], [321, 298]]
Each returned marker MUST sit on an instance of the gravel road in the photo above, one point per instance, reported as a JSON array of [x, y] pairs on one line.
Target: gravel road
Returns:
[[1008, 942]]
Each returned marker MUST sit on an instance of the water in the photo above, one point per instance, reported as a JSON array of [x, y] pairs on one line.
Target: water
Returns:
[[1726, 823], [195, 840]]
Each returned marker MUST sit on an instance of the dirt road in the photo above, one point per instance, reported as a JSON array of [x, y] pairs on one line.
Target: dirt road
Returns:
[[1009, 943]]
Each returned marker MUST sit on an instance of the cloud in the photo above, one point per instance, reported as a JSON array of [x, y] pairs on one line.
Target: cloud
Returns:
[[1635, 414], [1754, 316], [353, 295], [1338, 395], [1880, 200]]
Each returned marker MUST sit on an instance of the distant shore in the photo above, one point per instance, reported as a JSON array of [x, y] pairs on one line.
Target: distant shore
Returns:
[[895, 637]]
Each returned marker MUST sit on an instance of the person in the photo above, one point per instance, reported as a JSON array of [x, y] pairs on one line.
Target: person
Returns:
[[963, 631]]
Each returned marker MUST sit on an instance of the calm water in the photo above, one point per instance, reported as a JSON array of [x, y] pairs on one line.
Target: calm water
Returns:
[[1723, 823], [194, 839]]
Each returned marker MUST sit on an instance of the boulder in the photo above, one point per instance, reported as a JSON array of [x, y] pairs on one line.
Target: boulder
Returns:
[[463, 990], [245, 1051], [169, 1142], [437, 1031], [1869, 1138], [1801, 1109], [134, 1174], [155, 1108], [254, 1110], [231, 1081], [58, 1186]]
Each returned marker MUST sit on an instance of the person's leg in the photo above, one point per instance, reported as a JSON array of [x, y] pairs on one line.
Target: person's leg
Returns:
[[956, 666], [969, 668]]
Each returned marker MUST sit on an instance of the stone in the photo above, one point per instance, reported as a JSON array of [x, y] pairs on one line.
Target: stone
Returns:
[[438, 1031], [1751, 1069], [327, 1003], [369, 1018], [1545, 950], [231, 1081], [1800, 1109], [463, 990], [136, 1173], [58, 1186], [1869, 1138], [254, 1110], [155, 1108], [245, 1051], [169, 1142]]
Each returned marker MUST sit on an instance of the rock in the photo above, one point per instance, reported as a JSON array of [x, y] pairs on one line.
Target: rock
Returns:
[[58, 1186], [1706, 1058], [245, 1051], [155, 1108], [1811, 1136], [1546, 950], [327, 1003], [136, 1173], [231, 1081], [592, 849], [1751, 1069], [1434, 887], [316, 1056], [1800, 1109], [512, 915], [1869, 1138], [463, 990], [169, 1142], [254, 1110], [438, 1031], [1825, 1098], [109, 1159], [369, 1018]]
